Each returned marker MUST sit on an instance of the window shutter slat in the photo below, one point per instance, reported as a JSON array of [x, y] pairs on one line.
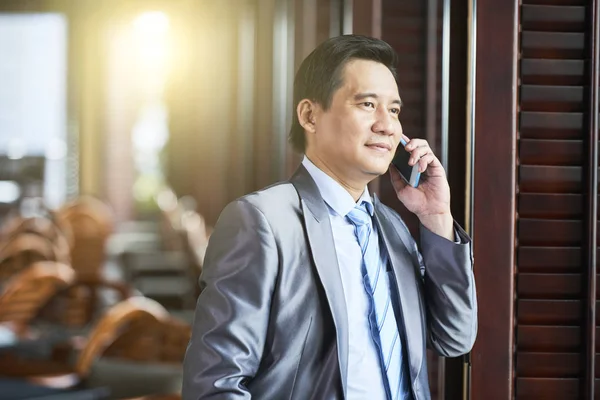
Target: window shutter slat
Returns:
[[549, 312], [553, 18], [550, 205], [548, 72], [543, 232], [549, 338], [553, 45], [550, 152], [552, 98], [548, 389], [549, 259], [549, 365], [551, 125], [549, 179]]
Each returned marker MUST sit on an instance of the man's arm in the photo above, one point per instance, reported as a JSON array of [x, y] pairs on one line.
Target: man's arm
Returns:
[[450, 296], [232, 313]]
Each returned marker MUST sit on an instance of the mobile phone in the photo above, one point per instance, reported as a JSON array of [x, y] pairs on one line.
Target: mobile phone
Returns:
[[411, 175]]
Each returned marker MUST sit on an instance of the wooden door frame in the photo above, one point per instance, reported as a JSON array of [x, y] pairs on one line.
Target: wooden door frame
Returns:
[[493, 194]]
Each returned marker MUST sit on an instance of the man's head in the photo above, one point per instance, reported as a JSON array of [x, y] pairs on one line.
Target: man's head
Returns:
[[346, 107]]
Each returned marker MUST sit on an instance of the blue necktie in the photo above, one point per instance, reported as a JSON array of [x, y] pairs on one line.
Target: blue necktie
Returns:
[[381, 316]]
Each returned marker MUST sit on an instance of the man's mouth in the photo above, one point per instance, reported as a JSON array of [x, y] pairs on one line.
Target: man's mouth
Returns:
[[380, 146]]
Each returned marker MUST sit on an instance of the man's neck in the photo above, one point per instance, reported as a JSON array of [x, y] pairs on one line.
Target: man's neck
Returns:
[[355, 189]]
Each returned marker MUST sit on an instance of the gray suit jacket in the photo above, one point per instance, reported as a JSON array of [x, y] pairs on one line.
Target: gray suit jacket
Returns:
[[271, 320]]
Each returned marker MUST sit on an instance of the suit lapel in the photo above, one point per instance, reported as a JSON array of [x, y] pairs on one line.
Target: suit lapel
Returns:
[[397, 243], [322, 245]]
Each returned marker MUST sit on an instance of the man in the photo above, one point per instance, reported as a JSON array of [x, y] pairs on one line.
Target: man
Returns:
[[313, 290]]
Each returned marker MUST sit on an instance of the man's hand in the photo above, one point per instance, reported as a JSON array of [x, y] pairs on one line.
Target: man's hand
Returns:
[[430, 201]]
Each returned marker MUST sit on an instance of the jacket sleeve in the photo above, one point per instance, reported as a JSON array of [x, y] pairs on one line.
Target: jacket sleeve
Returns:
[[450, 297], [232, 313]]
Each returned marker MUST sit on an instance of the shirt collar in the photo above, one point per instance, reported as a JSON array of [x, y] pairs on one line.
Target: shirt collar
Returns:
[[333, 193]]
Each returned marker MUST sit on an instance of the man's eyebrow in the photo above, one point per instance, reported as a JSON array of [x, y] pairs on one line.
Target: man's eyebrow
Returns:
[[362, 96]]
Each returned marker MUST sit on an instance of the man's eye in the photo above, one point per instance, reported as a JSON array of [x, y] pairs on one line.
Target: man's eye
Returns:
[[395, 111], [368, 104]]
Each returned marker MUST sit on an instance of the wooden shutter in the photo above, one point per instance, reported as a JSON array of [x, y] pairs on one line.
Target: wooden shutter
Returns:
[[555, 184]]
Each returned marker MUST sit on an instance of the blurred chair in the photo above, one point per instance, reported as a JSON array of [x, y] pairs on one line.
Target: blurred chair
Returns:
[[58, 234], [46, 222], [136, 349], [83, 301], [166, 342], [143, 358], [22, 250], [91, 223], [27, 291]]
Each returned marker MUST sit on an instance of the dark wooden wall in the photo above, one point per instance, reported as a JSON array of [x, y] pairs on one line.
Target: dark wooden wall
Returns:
[[494, 198], [535, 199]]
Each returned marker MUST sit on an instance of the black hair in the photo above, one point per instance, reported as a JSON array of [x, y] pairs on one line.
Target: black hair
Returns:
[[321, 73]]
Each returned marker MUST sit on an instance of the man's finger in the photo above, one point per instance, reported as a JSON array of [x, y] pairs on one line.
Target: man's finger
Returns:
[[425, 161], [415, 143], [417, 154]]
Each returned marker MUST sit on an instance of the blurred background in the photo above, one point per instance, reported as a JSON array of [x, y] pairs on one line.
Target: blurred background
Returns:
[[126, 126], [122, 99], [135, 122]]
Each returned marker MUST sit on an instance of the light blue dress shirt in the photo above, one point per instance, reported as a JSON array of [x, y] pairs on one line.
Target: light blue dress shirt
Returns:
[[365, 375]]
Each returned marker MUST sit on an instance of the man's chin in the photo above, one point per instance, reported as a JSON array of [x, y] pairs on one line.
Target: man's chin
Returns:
[[374, 172], [380, 167]]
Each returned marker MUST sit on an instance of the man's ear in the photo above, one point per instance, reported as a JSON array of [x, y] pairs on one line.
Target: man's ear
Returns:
[[307, 111]]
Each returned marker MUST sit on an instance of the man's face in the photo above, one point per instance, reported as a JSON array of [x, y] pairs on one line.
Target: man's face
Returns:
[[357, 137]]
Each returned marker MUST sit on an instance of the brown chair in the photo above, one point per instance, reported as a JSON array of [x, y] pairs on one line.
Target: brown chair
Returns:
[[165, 342], [133, 312], [25, 293], [104, 360], [144, 359], [80, 304], [54, 229], [91, 222], [20, 251]]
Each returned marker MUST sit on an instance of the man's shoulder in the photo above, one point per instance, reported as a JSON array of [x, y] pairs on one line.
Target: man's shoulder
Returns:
[[274, 195], [276, 209], [272, 201]]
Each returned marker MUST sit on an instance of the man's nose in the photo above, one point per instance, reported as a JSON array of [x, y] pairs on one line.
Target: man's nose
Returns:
[[385, 123]]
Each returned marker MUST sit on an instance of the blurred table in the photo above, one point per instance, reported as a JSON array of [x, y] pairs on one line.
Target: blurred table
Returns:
[[19, 389]]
